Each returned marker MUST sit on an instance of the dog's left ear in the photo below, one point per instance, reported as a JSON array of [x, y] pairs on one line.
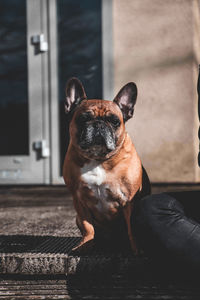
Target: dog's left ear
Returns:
[[126, 99], [75, 93]]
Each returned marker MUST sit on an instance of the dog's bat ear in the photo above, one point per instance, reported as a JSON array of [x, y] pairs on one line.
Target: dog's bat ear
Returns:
[[126, 99], [75, 93]]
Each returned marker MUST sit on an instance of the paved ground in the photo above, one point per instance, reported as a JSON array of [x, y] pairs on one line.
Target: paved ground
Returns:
[[37, 231], [47, 210], [36, 211]]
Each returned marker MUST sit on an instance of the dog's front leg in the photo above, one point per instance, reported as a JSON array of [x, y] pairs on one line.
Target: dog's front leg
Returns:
[[127, 210], [83, 221]]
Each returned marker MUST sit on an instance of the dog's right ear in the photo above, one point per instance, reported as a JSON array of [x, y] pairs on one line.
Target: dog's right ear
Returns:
[[75, 93]]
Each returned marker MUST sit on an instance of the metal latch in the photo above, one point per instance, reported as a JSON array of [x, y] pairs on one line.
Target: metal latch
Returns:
[[39, 42], [42, 148]]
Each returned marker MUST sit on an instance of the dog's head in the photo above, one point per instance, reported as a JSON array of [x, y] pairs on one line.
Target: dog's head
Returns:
[[97, 127]]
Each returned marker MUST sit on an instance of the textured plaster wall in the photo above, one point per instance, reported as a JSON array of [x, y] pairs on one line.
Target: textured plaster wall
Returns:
[[156, 45]]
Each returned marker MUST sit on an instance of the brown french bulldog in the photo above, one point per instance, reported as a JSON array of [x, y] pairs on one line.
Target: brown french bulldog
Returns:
[[102, 168]]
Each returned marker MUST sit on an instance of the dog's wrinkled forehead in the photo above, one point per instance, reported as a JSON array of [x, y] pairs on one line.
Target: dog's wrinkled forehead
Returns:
[[100, 108]]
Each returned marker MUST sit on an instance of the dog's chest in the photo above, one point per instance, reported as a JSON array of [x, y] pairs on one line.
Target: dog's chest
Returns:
[[95, 177], [93, 174]]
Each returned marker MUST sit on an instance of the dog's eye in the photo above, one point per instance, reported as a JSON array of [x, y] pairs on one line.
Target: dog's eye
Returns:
[[114, 120], [83, 118]]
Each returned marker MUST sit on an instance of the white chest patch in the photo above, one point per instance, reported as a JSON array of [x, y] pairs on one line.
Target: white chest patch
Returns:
[[93, 174]]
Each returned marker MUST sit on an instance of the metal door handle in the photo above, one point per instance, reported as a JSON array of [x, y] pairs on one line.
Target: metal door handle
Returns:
[[39, 42], [42, 148]]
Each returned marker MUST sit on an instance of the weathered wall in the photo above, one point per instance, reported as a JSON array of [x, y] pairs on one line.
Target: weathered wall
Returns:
[[156, 45]]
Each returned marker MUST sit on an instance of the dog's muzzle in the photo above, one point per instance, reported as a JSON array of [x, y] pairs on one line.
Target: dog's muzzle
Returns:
[[97, 136]]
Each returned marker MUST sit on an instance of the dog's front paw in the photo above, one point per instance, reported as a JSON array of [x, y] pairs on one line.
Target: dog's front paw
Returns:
[[83, 247], [137, 251]]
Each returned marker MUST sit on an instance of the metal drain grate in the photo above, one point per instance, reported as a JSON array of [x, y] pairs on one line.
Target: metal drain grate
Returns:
[[51, 244], [37, 244]]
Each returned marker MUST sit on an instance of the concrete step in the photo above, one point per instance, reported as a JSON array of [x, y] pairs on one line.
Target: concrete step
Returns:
[[21, 254]]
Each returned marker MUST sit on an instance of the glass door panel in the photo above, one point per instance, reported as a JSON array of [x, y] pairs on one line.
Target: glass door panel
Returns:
[[13, 79], [79, 53], [22, 92]]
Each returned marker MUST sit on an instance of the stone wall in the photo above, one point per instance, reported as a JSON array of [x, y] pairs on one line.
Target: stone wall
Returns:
[[156, 45]]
